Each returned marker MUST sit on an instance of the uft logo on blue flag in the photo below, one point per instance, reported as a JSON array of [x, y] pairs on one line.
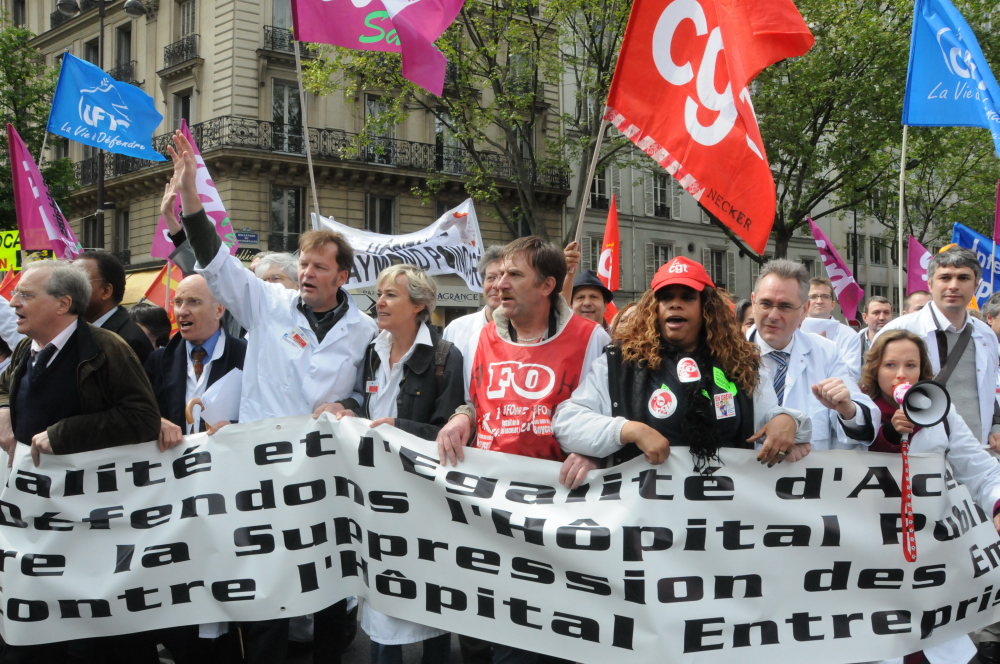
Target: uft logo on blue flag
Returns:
[[949, 82], [92, 108]]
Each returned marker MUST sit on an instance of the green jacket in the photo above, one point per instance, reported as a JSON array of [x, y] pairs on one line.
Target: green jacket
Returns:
[[117, 406]]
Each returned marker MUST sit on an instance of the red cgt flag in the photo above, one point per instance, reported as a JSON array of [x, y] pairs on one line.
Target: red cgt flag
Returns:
[[607, 268], [666, 98], [9, 283], [160, 290]]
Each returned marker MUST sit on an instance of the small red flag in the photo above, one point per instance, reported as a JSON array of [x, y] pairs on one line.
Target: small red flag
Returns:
[[608, 267], [159, 291], [666, 98], [9, 283]]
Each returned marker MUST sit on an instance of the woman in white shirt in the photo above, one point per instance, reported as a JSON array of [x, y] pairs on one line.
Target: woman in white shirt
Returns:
[[412, 380]]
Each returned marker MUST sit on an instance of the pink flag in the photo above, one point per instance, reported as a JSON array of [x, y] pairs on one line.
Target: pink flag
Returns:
[[210, 199], [413, 26], [360, 24], [849, 293], [40, 222], [917, 260]]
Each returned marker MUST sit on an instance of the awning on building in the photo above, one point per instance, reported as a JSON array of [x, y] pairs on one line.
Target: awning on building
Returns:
[[136, 285]]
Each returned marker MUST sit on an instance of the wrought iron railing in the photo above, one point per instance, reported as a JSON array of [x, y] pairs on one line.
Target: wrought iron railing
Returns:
[[327, 144], [282, 39], [182, 50], [124, 72]]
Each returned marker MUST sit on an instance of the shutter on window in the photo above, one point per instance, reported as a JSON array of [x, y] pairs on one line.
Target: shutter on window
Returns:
[[706, 261], [616, 185], [731, 270], [675, 199], [754, 273], [647, 190], [651, 266], [586, 244]]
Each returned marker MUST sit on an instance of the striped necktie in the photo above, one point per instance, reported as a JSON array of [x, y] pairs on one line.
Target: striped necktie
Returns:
[[781, 358]]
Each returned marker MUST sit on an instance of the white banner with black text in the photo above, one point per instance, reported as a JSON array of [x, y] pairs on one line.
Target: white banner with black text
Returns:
[[285, 517]]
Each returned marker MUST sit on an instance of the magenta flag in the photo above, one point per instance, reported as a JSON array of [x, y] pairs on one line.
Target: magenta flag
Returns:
[[40, 223], [406, 26], [848, 292], [917, 260], [210, 200], [363, 25]]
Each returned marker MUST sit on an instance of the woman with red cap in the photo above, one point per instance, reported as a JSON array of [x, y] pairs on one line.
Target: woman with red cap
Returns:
[[681, 372]]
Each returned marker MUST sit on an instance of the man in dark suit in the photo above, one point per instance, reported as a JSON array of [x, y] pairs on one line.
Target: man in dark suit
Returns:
[[194, 359], [71, 387], [107, 280]]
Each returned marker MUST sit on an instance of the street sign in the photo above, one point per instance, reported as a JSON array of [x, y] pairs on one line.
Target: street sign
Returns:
[[247, 238]]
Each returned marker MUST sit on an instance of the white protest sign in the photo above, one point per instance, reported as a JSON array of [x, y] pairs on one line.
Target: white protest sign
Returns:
[[800, 562], [451, 245]]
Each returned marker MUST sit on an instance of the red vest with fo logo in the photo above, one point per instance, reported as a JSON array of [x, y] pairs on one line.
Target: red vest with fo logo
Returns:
[[516, 388]]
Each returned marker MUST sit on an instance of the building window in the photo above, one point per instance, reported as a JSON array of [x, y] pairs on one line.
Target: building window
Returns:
[[895, 298], [92, 52], [121, 237], [879, 251], [656, 255], [661, 196], [187, 24], [286, 219], [856, 247], [93, 233], [286, 114], [123, 45], [882, 291], [449, 154], [718, 269], [810, 266], [381, 147], [281, 14], [19, 13], [379, 214], [600, 193], [182, 109], [60, 148]]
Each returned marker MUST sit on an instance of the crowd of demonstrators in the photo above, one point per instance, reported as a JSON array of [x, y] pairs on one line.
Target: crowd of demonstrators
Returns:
[[412, 380], [820, 305], [810, 375], [662, 380], [154, 321], [685, 364]]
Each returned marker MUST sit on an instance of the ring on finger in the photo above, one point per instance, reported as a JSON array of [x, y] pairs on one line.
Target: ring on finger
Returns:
[[782, 454]]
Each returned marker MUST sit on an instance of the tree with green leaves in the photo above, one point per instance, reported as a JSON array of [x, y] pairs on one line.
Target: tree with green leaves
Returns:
[[26, 89], [831, 118], [502, 63]]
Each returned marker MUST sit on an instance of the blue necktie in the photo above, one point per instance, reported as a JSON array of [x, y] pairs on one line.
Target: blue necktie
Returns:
[[781, 358]]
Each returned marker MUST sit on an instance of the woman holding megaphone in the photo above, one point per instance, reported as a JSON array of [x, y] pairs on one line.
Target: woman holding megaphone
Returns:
[[897, 361]]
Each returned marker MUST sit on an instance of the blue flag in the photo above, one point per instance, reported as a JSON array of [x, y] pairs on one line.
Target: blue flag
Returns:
[[92, 108], [983, 247], [948, 82]]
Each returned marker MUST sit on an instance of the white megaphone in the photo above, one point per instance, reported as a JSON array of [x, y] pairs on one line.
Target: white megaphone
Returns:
[[925, 403]]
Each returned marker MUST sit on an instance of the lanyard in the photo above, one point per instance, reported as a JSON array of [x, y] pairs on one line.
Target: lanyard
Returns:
[[906, 507]]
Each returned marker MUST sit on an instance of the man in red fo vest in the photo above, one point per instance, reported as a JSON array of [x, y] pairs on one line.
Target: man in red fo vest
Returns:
[[525, 363]]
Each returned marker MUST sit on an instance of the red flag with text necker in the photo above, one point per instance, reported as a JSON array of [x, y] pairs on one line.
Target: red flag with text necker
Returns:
[[680, 94]]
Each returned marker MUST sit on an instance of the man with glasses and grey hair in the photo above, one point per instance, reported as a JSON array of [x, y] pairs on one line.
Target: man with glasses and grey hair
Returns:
[[72, 387], [466, 327], [955, 338], [809, 373], [279, 268]]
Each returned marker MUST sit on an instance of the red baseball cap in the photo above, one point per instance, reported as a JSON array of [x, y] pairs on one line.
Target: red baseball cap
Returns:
[[682, 271]]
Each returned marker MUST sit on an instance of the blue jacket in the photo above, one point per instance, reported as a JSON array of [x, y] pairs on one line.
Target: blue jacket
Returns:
[[167, 371]]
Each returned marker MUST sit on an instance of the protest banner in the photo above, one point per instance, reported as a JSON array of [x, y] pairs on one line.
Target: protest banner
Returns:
[[451, 245], [283, 517], [917, 260], [985, 250]]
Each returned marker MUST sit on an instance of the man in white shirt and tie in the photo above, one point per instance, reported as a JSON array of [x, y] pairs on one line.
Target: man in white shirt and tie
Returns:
[[809, 373]]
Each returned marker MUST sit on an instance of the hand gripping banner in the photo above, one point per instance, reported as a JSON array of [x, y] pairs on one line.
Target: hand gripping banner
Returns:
[[801, 562], [680, 94]]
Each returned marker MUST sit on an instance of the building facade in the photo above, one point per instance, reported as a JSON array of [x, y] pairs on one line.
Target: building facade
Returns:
[[227, 68]]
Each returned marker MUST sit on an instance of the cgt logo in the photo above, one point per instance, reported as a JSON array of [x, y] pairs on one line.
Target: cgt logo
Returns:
[[93, 115], [531, 381], [708, 96]]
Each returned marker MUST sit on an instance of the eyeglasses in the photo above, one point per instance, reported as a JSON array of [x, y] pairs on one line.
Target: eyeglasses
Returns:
[[784, 308], [821, 296], [22, 295]]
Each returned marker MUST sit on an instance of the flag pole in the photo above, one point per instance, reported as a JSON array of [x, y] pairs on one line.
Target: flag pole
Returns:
[[305, 125], [590, 179], [41, 153], [902, 180], [166, 297]]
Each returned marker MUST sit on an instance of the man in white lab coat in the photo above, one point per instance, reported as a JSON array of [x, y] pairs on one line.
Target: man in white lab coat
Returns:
[[808, 370], [822, 302], [302, 358]]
